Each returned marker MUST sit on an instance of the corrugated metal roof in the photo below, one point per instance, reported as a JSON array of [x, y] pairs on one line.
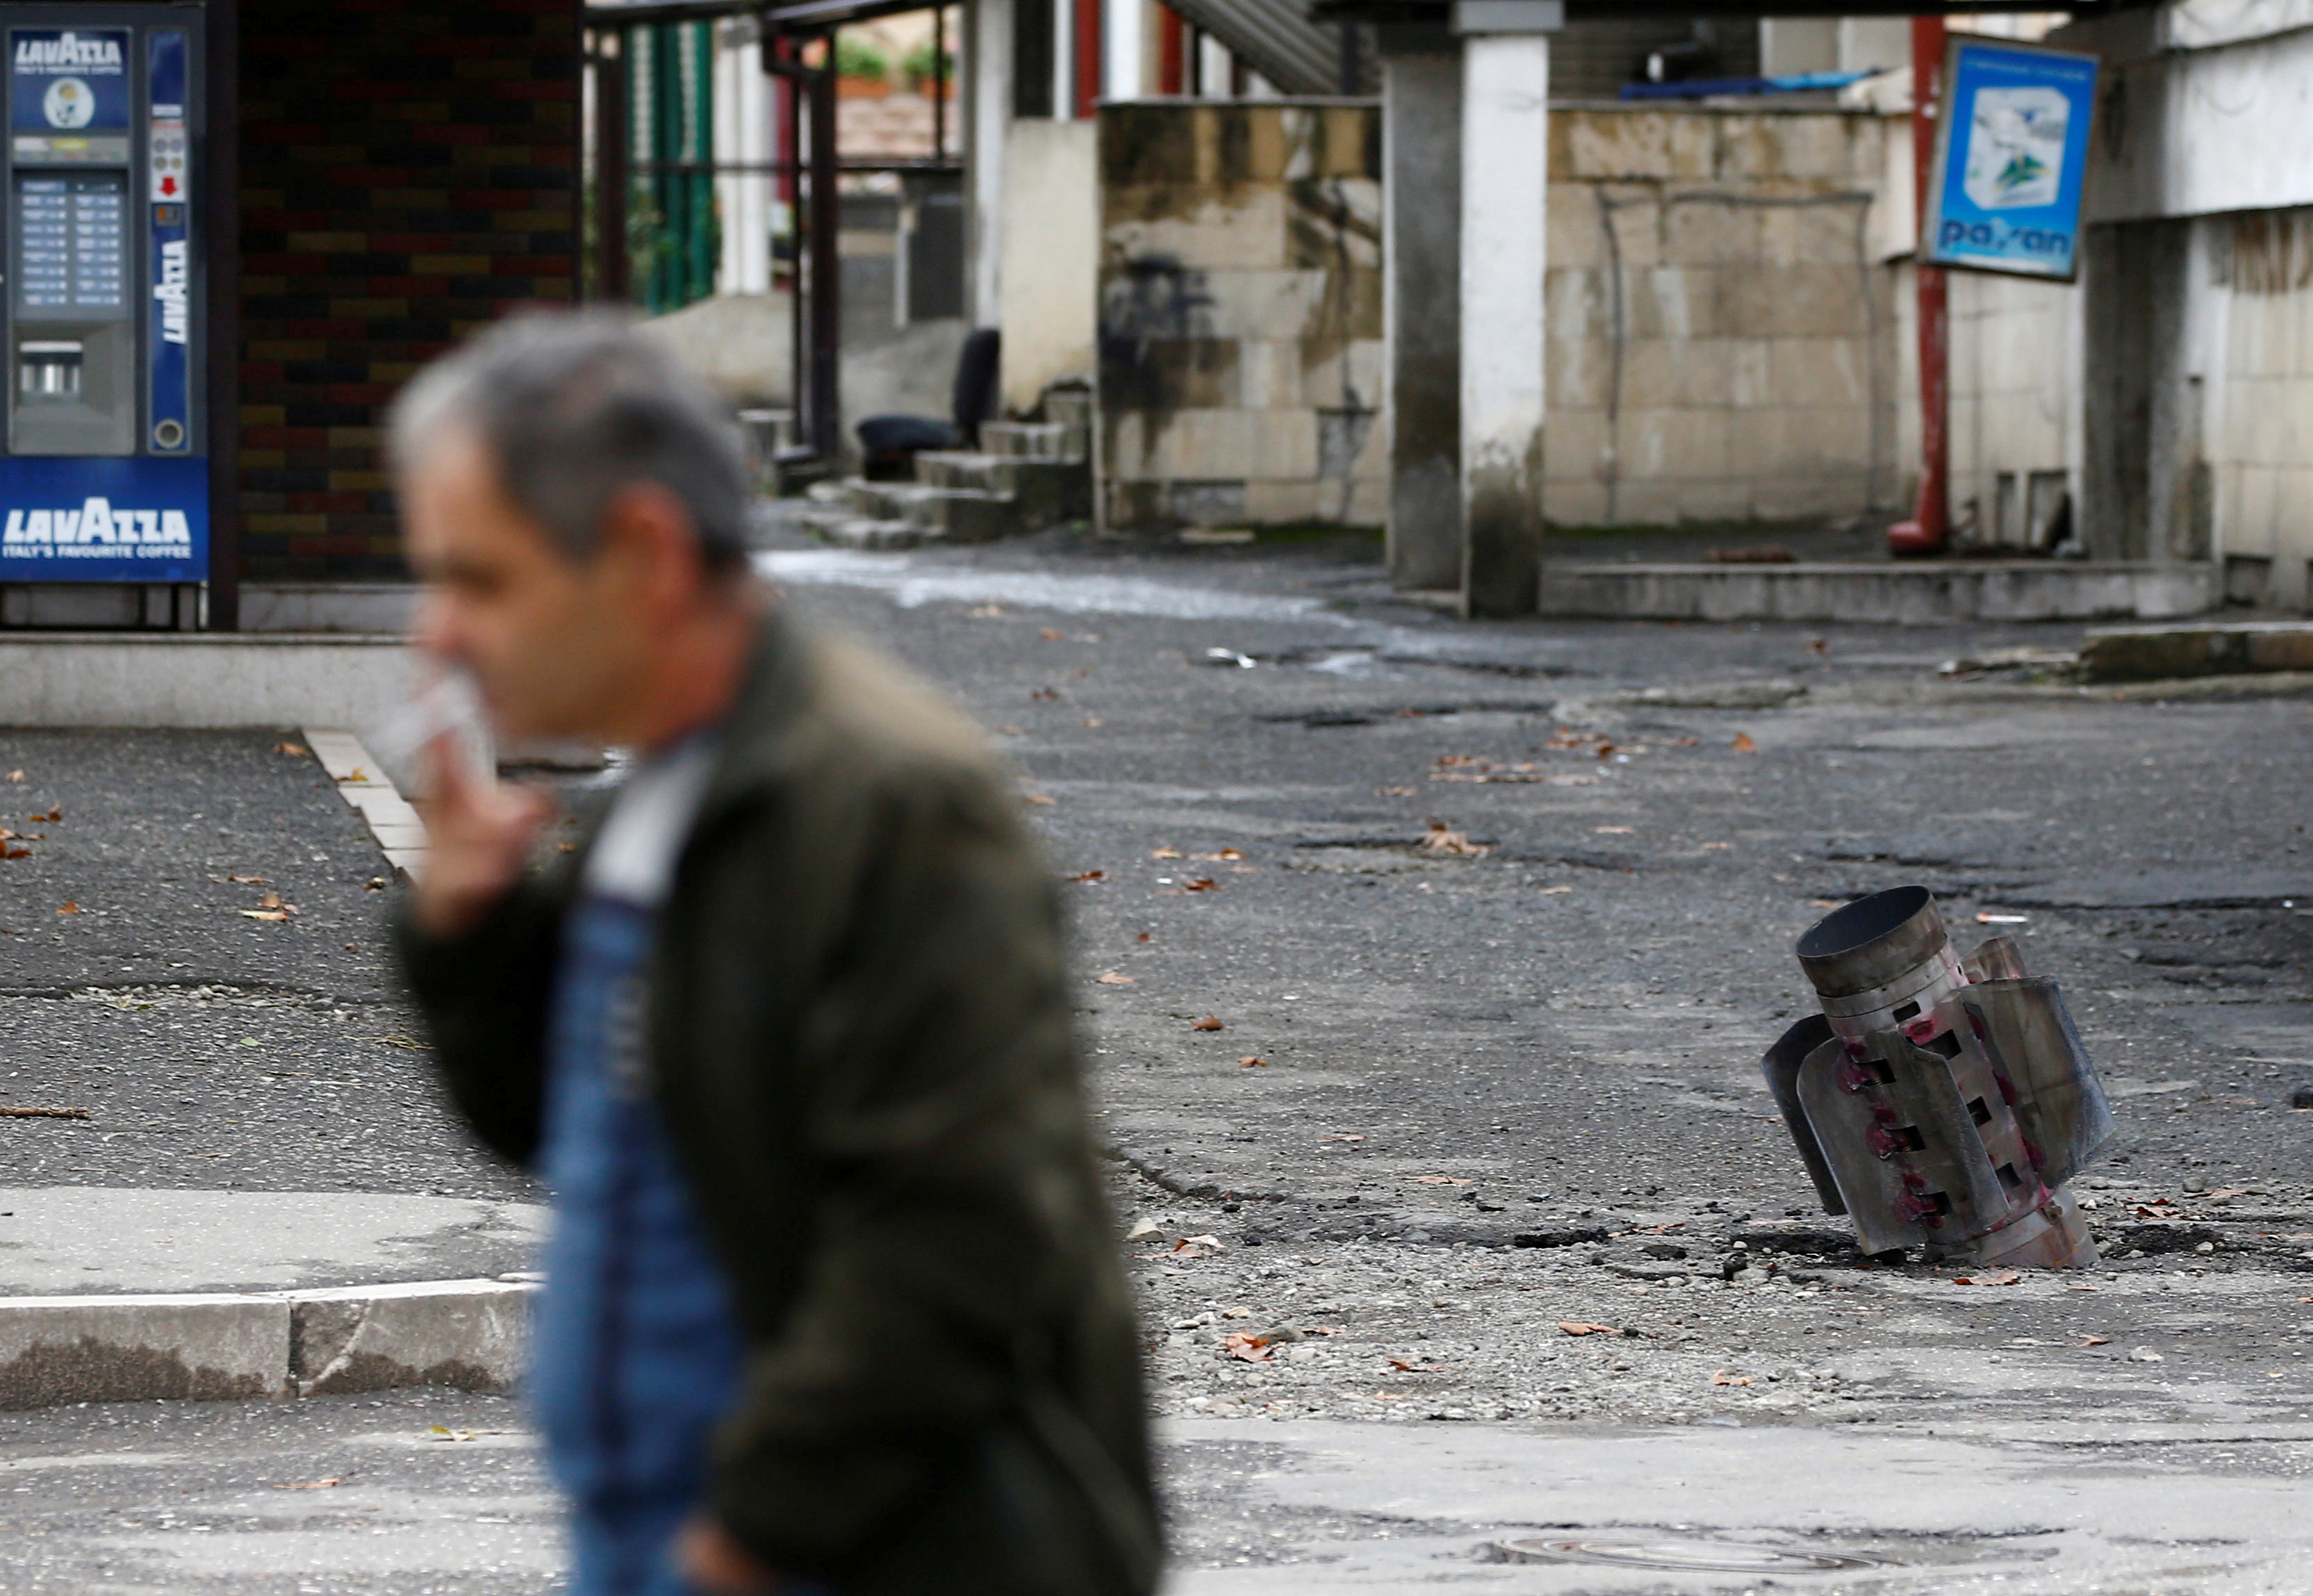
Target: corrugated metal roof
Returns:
[[1276, 38]]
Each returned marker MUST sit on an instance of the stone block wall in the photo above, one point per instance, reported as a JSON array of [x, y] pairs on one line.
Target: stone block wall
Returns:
[[408, 173], [1721, 331], [1241, 361], [2260, 426]]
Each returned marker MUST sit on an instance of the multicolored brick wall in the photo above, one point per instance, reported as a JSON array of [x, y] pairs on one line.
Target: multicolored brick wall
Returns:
[[408, 172]]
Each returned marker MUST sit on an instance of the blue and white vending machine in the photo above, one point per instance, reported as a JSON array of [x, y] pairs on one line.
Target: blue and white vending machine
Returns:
[[104, 477]]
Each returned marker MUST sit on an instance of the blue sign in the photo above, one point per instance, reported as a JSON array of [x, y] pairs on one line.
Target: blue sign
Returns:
[[168, 348], [2012, 148], [124, 519], [68, 80]]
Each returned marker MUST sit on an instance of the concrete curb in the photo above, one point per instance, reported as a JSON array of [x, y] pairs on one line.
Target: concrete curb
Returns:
[[471, 1335], [1887, 593], [362, 782], [202, 680]]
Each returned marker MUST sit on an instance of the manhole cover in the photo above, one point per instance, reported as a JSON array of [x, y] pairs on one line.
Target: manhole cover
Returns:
[[1715, 1557]]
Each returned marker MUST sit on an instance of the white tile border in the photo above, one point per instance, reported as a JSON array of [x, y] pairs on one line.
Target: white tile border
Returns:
[[362, 782]]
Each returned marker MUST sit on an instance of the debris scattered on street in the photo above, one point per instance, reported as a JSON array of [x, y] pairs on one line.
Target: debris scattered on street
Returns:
[[1115, 978], [1209, 1022], [32, 1113]]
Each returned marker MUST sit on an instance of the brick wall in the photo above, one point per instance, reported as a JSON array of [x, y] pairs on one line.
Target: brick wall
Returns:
[[408, 172]]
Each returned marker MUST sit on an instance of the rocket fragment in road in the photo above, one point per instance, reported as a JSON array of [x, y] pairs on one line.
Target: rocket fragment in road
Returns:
[[1941, 1103]]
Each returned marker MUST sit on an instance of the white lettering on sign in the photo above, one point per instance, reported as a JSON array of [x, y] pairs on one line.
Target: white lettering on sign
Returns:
[[69, 52], [95, 530], [171, 290]]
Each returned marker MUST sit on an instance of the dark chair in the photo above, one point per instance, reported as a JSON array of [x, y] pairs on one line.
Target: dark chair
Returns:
[[889, 445]]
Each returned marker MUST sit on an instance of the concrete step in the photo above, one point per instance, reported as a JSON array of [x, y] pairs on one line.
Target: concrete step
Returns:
[[1045, 493], [1033, 440], [960, 514], [2218, 648], [1912, 593], [845, 527], [1070, 407]]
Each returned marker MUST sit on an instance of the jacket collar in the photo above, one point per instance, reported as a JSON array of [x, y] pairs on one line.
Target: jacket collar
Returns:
[[759, 734]]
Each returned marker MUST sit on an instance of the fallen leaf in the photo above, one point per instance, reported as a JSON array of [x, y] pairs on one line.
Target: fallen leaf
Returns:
[[1252, 1062], [1442, 839], [275, 916], [1046, 695], [1578, 1328], [2079, 1285], [1404, 1367], [10, 851], [1090, 877], [1225, 854], [251, 880], [1145, 937], [43, 1113], [1115, 978], [300, 751], [1036, 798], [986, 611], [15, 775], [53, 814], [1612, 831], [355, 774], [271, 900], [2009, 1278], [1744, 744], [1438, 1180], [1721, 1378], [2228, 1194], [1201, 884], [1553, 891], [312, 1485], [69, 908], [1392, 792], [1206, 1023], [1053, 635], [1250, 1349], [1823, 903], [2096, 1341], [1147, 1227], [440, 1433], [1166, 853]]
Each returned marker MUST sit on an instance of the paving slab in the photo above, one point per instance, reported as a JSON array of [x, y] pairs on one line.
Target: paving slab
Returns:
[[90, 1240]]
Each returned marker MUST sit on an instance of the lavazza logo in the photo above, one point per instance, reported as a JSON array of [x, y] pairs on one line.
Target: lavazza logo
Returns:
[[69, 52], [175, 271], [96, 531]]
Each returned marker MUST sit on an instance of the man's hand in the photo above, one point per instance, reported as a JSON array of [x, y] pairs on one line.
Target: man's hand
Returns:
[[477, 832], [715, 1564]]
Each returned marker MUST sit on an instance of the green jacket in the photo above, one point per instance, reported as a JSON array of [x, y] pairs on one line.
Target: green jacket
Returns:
[[861, 1036]]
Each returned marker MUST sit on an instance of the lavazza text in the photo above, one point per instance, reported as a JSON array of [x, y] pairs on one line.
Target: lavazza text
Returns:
[[97, 530]]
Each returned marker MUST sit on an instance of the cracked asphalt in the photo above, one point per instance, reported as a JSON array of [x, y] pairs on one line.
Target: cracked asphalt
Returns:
[[1425, 966]]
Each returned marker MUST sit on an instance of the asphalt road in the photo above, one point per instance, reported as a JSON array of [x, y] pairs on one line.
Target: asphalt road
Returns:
[[1504, 913]]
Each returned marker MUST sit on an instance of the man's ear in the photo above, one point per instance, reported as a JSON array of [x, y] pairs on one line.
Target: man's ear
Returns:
[[647, 531]]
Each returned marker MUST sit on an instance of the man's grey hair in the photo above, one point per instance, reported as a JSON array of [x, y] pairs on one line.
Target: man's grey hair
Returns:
[[572, 407]]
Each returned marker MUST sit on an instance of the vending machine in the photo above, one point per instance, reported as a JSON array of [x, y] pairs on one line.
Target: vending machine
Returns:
[[104, 461]]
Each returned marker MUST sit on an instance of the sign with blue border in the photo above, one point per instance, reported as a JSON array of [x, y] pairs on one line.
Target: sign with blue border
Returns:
[[129, 519], [68, 80], [2011, 150]]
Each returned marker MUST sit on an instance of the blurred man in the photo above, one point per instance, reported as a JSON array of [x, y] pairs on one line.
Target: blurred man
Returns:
[[832, 1302]]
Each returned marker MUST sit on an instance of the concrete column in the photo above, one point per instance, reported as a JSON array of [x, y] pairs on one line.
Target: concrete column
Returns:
[[987, 93], [1421, 229], [1505, 172]]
